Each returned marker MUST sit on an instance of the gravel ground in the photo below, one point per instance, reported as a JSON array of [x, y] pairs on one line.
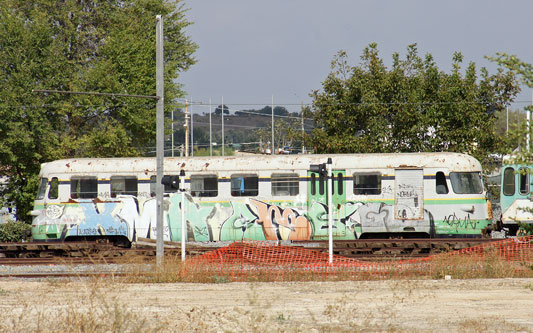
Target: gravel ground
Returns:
[[47, 305]]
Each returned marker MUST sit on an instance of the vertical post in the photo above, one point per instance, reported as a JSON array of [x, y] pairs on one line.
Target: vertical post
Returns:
[[272, 124], [210, 132], [192, 129], [160, 131], [303, 129], [330, 210], [172, 137], [528, 118], [223, 126], [507, 121], [183, 222], [186, 125]]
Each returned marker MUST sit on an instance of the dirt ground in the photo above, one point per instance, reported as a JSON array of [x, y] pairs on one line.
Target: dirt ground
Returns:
[[418, 306]]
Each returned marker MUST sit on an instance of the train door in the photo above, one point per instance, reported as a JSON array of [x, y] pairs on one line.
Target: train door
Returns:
[[409, 194], [317, 201]]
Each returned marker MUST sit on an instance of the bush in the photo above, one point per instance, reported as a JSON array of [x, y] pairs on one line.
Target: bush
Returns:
[[14, 231]]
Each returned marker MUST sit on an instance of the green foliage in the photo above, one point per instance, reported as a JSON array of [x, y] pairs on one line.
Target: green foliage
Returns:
[[102, 46], [14, 231], [411, 107], [514, 64]]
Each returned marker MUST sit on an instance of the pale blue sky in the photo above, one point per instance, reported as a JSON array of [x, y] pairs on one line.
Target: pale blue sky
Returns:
[[250, 50]]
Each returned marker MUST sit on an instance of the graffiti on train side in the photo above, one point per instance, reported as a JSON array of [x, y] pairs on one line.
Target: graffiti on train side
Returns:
[[457, 223], [249, 219]]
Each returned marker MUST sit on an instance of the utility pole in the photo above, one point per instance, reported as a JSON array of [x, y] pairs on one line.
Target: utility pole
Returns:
[[160, 128], [192, 129], [303, 129], [223, 126], [172, 137], [210, 132], [272, 124], [186, 125]]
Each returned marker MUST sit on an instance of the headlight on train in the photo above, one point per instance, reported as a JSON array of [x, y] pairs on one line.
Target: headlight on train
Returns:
[[54, 211]]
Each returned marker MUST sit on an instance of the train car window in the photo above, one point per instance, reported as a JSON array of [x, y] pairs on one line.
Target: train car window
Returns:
[[42, 188], [244, 185], [313, 184], [123, 185], [167, 189], [523, 181], [285, 184], [83, 187], [508, 181], [321, 181], [367, 183], [440, 183], [340, 186], [53, 193], [204, 185], [466, 182]]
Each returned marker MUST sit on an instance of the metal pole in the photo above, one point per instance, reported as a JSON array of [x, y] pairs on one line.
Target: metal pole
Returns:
[[528, 117], [223, 126], [172, 138], [210, 132], [272, 124], [507, 121], [192, 129], [183, 222], [303, 129], [186, 125], [330, 211], [160, 129]]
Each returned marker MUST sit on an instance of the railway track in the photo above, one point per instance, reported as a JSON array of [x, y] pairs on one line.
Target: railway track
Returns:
[[393, 249], [45, 253]]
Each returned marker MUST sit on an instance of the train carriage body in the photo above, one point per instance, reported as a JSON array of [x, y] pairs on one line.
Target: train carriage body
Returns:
[[263, 197], [516, 197]]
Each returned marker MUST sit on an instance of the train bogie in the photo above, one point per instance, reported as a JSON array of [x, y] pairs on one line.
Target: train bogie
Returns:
[[264, 198]]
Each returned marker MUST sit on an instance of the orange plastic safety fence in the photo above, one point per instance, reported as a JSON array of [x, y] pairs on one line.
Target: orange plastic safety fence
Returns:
[[267, 261]]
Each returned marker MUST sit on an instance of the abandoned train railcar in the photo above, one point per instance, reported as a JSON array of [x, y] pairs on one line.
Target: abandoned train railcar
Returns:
[[264, 198], [516, 197]]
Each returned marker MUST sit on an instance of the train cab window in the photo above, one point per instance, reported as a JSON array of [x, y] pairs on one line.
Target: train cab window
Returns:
[[167, 189], [367, 183], [466, 182], [244, 185], [53, 193], [508, 181], [440, 183], [523, 180], [42, 188], [204, 185], [83, 187], [123, 185], [285, 184]]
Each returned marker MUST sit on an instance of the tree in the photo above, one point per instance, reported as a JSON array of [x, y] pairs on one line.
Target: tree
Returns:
[[218, 110], [412, 107], [104, 46]]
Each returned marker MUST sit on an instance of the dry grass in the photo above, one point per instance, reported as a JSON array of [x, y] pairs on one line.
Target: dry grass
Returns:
[[463, 266], [99, 306]]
